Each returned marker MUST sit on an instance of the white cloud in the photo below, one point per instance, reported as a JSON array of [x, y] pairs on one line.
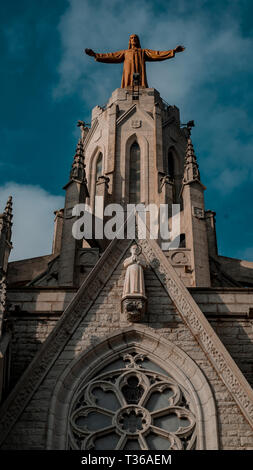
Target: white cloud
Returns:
[[33, 219]]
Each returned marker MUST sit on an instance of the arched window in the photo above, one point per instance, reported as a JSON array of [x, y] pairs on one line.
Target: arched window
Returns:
[[99, 164], [133, 398], [135, 174], [132, 404], [171, 169]]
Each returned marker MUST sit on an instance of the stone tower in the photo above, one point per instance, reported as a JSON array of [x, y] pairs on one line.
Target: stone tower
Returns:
[[113, 346]]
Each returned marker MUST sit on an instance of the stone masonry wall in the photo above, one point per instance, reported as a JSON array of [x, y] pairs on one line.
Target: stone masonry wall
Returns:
[[229, 312], [33, 315], [104, 318]]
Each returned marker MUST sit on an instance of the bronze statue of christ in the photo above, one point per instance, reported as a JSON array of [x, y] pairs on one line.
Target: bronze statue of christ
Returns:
[[134, 59]]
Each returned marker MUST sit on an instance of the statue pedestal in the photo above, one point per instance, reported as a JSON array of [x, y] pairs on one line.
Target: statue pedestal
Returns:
[[133, 307]]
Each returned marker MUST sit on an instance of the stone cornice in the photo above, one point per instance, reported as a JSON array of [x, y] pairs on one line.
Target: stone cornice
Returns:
[[194, 181], [74, 180]]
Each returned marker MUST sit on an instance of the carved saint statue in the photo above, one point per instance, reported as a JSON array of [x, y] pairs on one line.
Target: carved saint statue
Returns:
[[134, 59], [134, 280]]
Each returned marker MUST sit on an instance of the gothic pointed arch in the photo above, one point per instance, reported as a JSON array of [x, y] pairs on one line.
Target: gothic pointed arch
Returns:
[[99, 166], [173, 163], [96, 169], [135, 172], [174, 168], [133, 390]]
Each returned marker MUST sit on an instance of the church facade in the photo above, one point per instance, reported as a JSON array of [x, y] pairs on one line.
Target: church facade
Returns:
[[122, 344]]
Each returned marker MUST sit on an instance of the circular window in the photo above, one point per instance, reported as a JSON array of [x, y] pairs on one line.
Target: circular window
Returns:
[[132, 407]]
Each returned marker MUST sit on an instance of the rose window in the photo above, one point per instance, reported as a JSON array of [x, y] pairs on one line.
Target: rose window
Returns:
[[132, 405]]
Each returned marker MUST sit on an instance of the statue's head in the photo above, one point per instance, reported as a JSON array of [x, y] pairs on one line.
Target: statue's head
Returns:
[[135, 250], [134, 41]]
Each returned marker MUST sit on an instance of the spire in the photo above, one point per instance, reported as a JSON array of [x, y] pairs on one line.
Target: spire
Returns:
[[78, 166], [5, 236], [191, 168], [8, 210], [76, 193]]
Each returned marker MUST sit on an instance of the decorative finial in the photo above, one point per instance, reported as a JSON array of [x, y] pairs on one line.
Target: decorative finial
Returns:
[[84, 129], [8, 209], [78, 166], [191, 168], [190, 125]]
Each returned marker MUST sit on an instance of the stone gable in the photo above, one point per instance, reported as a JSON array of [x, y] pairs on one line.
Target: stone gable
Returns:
[[104, 318]]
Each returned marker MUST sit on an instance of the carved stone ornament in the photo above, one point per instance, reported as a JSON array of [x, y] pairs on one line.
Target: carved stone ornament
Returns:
[[132, 408], [179, 257], [166, 179], [135, 123], [198, 212], [88, 256], [133, 308], [134, 299], [2, 294]]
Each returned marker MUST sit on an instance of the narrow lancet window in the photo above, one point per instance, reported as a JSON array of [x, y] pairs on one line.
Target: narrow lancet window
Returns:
[[99, 166], [134, 174]]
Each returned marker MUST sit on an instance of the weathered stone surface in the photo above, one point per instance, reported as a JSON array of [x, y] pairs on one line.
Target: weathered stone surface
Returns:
[[104, 319], [93, 313]]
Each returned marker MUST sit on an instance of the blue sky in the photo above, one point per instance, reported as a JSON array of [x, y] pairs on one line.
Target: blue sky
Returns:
[[47, 84]]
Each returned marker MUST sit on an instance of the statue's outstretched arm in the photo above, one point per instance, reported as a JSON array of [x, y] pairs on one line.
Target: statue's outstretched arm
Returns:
[[110, 57], [151, 55]]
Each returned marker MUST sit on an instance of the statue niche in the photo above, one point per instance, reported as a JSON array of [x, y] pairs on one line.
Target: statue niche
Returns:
[[134, 299]]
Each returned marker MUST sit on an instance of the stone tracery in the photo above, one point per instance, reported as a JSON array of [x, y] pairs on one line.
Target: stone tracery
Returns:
[[132, 406]]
